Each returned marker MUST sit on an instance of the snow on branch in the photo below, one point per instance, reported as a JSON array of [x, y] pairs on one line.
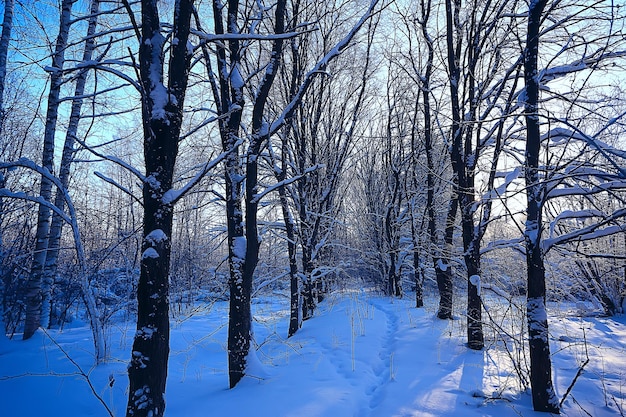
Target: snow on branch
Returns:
[[274, 187], [551, 74], [515, 244], [5, 192], [590, 232], [27, 163], [509, 178], [172, 196], [578, 215], [248, 36], [320, 68], [118, 186], [619, 185], [561, 134], [104, 66], [114, 159]]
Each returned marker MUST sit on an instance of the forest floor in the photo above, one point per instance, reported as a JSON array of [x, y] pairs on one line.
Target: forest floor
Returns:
[[361, 355]]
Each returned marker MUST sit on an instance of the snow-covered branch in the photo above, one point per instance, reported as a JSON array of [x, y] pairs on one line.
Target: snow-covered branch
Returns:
[[320, 68], [172, 196], [591, 232], [274, 187]]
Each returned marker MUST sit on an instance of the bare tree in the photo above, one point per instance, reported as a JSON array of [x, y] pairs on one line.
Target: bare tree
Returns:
[[5, 38], [162, 115], [34, 296], [230, 96], [54, 238], [544, 397]]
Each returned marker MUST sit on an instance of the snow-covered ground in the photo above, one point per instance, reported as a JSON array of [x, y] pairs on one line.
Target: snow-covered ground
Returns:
[[361, 355]]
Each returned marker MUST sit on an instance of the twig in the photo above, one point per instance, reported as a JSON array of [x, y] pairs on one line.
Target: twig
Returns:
[[581, 407], [578, 374], [81, 373]]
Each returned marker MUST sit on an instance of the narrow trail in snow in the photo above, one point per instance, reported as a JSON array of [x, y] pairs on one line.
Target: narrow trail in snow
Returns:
[[383, 369]]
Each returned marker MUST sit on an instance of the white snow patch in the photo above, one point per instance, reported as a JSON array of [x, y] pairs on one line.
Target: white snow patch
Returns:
[[239, 247], [150, 253], [442, 265], [156, 236], [361, 355], [153, 182], [475, 281], [236, 79]]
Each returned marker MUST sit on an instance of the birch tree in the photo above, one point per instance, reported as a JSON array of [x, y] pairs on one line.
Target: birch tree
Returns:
[[56, 227], [5, 38], [34, 295]]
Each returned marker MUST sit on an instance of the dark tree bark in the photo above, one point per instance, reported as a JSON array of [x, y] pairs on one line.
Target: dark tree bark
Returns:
[[467, 195], [294, 297], [243, 240], [544, 397], [461, 155], [443, 267], [33, 286], [230, 103], [443, 276], [290, 224], [162, 115]]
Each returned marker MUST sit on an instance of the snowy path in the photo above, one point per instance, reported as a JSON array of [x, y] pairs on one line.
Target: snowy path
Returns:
[[361, 355]]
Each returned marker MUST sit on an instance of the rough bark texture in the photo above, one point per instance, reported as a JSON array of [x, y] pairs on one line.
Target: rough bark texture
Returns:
[[33, 298], [242, 237], [292, 249], [544, 397], [230, 102], [162, 113]]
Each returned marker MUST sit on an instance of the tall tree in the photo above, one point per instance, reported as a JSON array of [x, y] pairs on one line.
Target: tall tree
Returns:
[[34, 296], [230, 89], [56, 227], [7, 27], [243, 238], [544, 397], [5, 38], [162, 115]]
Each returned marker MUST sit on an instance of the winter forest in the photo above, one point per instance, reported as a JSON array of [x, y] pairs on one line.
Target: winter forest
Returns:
[[312, 208]]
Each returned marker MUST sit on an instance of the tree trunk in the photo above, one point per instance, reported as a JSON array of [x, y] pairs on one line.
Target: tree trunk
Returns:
[[243, 242], [162, 119], [443, 267], [544, 397], [446, 289], [54, 239], [475, 338], [33, 296], [7, 26], [294, 297], [230, 102]]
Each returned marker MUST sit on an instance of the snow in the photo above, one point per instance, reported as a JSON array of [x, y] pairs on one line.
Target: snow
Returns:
[[156, 236], [475, 281], [360, 355], [239, 247], [150, 253], [442, 265]]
